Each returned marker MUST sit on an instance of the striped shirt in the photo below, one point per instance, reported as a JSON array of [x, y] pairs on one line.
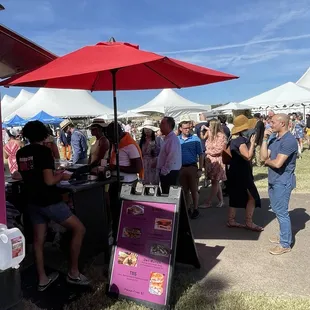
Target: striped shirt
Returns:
[[191, 149]]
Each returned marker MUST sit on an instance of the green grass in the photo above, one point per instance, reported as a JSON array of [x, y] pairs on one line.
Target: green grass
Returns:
[[302, 175], [195, 298]]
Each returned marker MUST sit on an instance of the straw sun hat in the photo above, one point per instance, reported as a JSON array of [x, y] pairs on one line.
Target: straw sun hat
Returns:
[[65, 123], [98, 122], [148, 124], [241, 123]]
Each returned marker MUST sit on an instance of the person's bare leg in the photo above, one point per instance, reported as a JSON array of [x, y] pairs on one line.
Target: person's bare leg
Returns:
[[38, 246], [249, 212], [301, 145], [231, 222], [231, 215], [214, 190], [219, 193], [78, 231]]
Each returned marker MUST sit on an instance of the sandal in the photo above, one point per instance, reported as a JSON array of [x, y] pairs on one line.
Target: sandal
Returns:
[[51, 279], [80, 280], [220, 204], [205, 206], [235, 225], [254, 227]]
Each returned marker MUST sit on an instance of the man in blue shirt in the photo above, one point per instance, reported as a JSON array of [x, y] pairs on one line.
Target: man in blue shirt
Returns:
[[78, 142], [280, 156], [190, 172]]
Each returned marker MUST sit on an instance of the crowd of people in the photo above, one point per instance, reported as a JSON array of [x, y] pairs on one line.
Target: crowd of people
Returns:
[[220, 151]]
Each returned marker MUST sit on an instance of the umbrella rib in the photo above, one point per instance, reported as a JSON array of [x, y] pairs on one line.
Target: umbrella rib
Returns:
[[95, 82], [177, 86]]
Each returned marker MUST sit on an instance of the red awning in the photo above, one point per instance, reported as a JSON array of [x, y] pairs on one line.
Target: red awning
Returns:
[[18, 54]]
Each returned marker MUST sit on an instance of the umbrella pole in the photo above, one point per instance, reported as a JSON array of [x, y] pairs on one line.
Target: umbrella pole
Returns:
[[2, 181], [113, 72]]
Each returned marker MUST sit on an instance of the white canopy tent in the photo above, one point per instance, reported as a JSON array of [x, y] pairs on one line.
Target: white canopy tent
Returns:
[[169, 103], [131, 114], [22, 98], [304, 81], [233, 106], [5, 101], [63, 103], [287, 94]]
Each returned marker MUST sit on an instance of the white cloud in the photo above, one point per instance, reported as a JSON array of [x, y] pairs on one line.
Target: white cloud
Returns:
[[209, 21], [237, 45], [242, 60], [287, 13]]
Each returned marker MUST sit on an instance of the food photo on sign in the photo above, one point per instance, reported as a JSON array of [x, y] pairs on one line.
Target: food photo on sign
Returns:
[[156, 283], [163, 224], [134, 233], [128, 259], [135, 210]]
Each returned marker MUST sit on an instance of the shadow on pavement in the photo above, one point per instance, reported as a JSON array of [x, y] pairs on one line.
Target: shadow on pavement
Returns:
[[212, 223], [299, 218]]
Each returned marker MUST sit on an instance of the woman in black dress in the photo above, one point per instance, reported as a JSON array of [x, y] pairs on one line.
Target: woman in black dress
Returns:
[[242, 190]]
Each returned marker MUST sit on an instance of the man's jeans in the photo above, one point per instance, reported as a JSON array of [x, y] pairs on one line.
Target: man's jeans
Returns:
[[279, 200]]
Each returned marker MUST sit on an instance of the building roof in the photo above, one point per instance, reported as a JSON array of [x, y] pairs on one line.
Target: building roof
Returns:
[[19, 54]]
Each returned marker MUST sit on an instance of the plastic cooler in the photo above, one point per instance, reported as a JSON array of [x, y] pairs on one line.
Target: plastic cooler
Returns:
[[12, 252]]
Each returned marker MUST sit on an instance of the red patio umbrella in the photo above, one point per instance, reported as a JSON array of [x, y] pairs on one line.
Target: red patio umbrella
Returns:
[[117, 66]]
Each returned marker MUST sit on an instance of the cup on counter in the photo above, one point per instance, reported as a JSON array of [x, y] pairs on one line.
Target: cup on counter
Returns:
[[57, 164], [92, 177], [61, 164]]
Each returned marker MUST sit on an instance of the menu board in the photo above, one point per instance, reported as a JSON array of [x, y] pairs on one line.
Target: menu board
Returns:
[[143, 258]]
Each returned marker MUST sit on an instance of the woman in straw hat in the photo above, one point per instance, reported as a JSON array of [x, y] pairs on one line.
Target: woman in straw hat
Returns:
[[150, 148], [242, 190]]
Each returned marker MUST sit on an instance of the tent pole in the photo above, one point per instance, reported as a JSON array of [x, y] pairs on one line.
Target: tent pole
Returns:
[[2, 180], [304, 111], [116, 142]]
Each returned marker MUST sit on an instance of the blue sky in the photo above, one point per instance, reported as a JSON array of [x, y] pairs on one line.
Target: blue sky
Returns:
[[266, 43]]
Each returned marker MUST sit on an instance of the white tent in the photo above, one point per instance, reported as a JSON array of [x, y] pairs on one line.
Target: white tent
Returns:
[[5, 101], [233, 106], [63, 103], [286, 94], [304, 81], [131, 114], [169, 103], [22, 98]]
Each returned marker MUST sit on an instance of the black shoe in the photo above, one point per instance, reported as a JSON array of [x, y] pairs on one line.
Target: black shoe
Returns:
[[195, 214], [189, 212]]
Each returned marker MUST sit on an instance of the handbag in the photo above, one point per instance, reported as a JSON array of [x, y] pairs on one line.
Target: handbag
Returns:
[[226, 154]]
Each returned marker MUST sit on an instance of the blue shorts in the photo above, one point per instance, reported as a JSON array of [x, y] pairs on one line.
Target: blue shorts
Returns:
[[58, 213]]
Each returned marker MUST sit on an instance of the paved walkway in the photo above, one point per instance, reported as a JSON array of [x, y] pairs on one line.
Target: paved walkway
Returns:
[[237, 259]]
